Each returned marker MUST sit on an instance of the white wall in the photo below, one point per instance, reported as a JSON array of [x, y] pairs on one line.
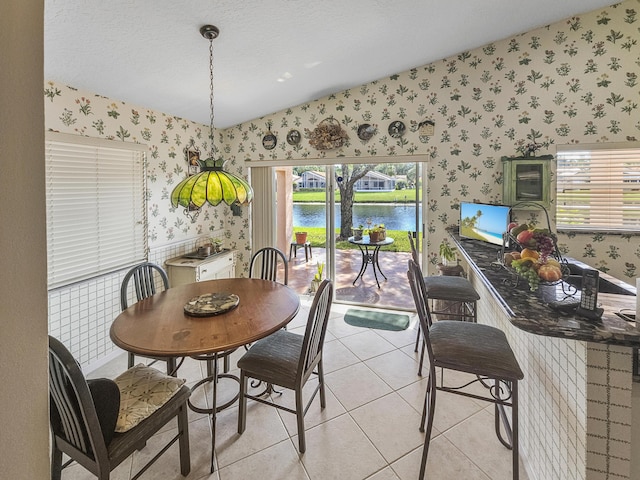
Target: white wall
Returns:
[[24, 437]]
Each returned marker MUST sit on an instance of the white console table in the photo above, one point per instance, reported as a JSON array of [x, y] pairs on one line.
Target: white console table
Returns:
[[182, 270]]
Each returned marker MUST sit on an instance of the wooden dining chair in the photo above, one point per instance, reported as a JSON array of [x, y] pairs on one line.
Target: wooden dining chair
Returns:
[[288, 360], [480, 350], [100, 423], [268, 263], [142, 281]]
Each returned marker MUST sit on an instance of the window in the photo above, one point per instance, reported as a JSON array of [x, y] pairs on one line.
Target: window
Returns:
[[96, 221], [598, 187]]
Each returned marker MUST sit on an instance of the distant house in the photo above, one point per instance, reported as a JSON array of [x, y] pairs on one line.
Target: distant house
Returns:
[[375, 181], [312, 179], [372, 181]]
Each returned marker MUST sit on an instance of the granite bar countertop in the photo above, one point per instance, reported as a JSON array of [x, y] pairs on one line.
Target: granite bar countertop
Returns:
[[530, 312]]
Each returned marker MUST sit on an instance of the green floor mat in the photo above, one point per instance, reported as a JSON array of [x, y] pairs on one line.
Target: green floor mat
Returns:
[[376, 319]]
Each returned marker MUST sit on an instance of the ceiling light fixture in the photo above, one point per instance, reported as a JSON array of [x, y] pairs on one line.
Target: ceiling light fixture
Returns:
[[212, 184]]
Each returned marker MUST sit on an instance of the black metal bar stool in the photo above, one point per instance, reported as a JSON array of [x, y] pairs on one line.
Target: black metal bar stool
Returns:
[[453, 297], [480, 350]]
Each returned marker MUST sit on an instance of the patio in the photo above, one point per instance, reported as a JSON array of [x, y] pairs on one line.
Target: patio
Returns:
[[393, 292]]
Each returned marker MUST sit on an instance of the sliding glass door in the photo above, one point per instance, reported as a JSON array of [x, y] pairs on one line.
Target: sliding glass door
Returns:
[[375, 206], [329, 204]]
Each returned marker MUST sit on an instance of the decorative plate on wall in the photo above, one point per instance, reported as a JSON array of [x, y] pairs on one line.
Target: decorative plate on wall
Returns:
[[293, 137], [366, 132], [269, 141], [396, 129]]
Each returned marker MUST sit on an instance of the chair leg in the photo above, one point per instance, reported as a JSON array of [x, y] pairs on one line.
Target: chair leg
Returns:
[[131, 360], [183, 441], [514, 429], [300, 417], [56, 462], [417, 340], [242, 403], [430, 404], [511, 431], [421, 360], [323, 401]]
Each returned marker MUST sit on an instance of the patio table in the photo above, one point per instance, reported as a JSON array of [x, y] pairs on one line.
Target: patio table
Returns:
[[369, 253]]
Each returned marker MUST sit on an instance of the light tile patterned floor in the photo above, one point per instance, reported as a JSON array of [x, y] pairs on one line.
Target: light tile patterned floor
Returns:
[[368, 430]]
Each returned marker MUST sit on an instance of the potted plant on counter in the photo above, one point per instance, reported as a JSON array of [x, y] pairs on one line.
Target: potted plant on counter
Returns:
[[447, 253]]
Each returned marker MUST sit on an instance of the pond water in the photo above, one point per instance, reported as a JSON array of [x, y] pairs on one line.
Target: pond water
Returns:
[[394, 217]]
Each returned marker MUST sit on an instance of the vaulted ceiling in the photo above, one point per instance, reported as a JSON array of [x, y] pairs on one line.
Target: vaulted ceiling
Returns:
[[270, 55]]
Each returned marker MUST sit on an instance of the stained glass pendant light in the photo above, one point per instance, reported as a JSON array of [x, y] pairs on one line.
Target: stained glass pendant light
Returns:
[[212, 184]]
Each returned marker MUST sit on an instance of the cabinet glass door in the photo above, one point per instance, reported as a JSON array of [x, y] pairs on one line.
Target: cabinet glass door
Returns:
[[528, 182]]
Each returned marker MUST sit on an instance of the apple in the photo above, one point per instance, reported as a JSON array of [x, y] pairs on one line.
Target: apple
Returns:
[[525, 238], [511, 226]]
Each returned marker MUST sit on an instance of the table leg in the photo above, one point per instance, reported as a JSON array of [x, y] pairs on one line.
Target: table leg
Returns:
[[375, 258], [213, 377], [364, 264], [371, 258]]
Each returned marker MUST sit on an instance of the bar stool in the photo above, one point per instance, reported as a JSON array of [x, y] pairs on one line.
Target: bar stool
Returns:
[[293, 248], [453, 297], [479, 350]]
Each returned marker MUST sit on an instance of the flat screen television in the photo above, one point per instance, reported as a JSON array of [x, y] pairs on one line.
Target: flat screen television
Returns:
[[484, 222]]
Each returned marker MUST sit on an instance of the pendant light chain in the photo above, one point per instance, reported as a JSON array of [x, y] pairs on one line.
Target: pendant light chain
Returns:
[[211, 98], [212, 185]]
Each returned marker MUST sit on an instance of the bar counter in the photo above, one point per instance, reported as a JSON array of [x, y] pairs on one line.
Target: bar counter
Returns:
[[530, 312], [576, 407]]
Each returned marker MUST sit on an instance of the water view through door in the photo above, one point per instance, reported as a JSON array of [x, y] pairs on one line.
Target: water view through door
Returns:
[[364, 275]]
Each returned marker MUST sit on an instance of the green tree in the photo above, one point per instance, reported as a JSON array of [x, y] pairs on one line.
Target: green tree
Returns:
[[350, 175]]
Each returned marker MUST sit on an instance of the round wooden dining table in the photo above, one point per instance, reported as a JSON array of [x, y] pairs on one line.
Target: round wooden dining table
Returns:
[[158, 326]]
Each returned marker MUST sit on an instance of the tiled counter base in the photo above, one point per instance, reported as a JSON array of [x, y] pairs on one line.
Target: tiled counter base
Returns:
[[575, 401]]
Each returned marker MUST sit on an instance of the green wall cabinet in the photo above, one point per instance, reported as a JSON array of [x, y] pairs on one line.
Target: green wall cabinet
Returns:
[[527, 179]]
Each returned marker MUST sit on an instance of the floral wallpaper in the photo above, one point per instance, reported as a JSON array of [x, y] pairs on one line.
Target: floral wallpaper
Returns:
[[576, 81], [69, 110]]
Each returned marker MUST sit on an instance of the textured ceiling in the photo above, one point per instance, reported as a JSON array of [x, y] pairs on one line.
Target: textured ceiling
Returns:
[[270, 55]]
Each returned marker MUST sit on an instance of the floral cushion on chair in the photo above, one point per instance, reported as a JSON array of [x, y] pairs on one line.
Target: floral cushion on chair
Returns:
[[143, 390]]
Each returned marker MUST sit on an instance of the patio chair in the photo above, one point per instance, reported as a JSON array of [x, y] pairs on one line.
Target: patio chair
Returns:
[[288, 360], [145, 279], [99, 424], [480, 350], [447, 291]]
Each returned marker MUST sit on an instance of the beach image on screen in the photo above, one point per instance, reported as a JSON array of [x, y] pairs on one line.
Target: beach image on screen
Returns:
[[483, 222]]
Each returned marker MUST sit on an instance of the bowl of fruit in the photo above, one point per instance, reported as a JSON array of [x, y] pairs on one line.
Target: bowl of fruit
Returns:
[[537, 260]]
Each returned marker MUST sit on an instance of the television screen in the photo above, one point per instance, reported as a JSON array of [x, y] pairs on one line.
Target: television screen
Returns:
[[484, 222]]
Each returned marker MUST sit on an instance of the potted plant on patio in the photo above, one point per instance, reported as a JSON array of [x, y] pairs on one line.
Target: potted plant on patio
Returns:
[[301, 238], [377, 233], [317, 278]]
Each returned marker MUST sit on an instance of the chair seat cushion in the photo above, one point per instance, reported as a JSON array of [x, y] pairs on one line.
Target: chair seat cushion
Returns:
[[143, 390], [443, 287], [274, 359], [473, 348]]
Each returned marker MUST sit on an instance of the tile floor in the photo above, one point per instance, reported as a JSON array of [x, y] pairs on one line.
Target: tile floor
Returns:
[[368, 430]]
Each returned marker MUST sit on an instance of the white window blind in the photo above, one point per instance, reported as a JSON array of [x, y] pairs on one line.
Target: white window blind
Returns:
[[96, 213], [598, 187]]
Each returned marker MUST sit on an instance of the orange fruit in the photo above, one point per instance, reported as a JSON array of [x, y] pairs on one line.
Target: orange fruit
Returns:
[[529, 253]]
